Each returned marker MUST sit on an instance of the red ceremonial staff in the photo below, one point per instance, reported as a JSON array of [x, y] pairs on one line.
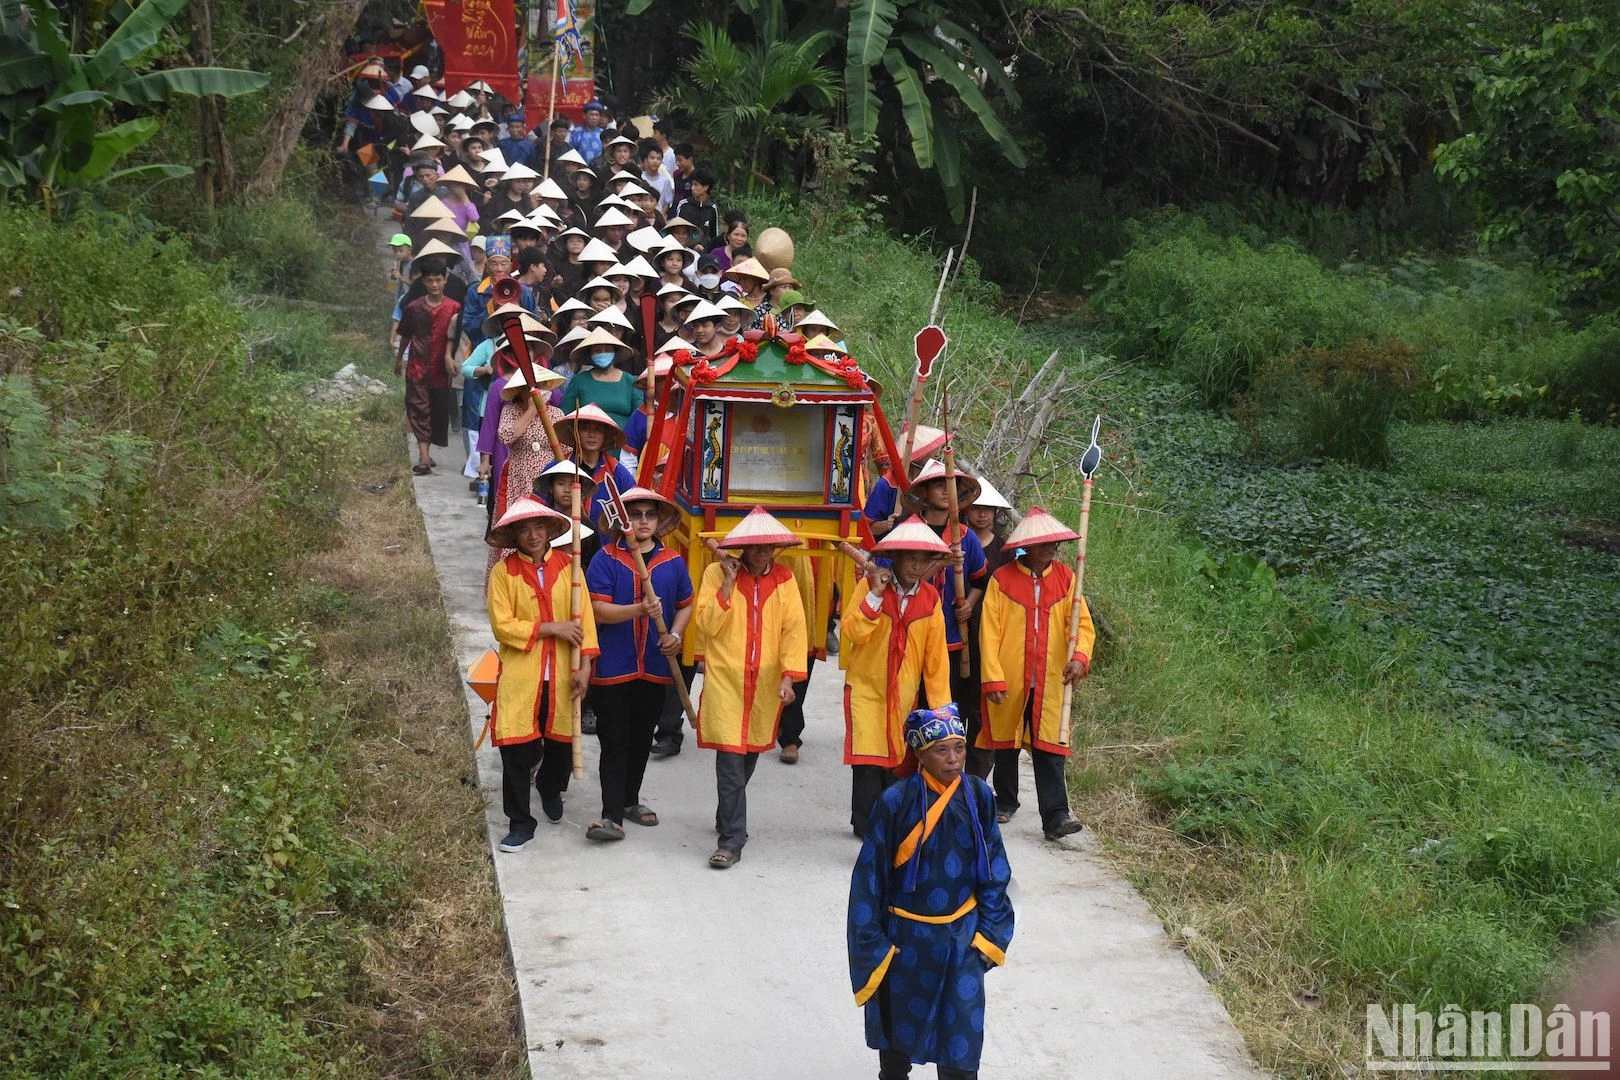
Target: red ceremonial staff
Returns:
[[1088, 465]]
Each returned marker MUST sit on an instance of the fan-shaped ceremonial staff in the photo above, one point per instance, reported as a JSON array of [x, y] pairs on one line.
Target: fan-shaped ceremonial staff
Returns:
[[1088, 465]]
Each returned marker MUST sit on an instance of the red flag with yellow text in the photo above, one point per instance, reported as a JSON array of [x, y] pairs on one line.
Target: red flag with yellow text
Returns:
[[479, 41]]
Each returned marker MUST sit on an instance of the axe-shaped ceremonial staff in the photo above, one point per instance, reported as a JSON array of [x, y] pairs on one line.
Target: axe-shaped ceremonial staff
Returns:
[[1088, 465], [953, 532], [615, 516], [512, 325]]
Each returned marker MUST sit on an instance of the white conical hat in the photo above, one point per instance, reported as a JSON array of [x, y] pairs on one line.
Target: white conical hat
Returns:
[[511, 217], [480, 84], [621, 139], [1039, 527], [622, 174], [602, 337], [611, 316], [522, 509], [567, 537], [729, 303], [571, 231], [520, 171], [645, 238], [449, 228], [706, 310], [380, 103], [426, 90], [439, 248], [759, 528], [816, 318], [494, 161], [597, 251], [612, 216], [967, 486], [544, 378], [671, 290], [431, 207], [573, 303], [458, 175], [572, 157], [424, 123], [671, 347], [461, 123], [989, 496], [550, 189], [460, 100], [427, 142], [638, 267], [599, 282], [495, 320], [569, 469], [912, 535], [573, 337]]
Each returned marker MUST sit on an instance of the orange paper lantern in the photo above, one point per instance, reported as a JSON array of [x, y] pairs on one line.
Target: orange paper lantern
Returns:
[[481, 675]]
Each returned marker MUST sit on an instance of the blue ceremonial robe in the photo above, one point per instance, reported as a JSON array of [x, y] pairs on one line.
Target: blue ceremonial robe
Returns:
[[928, 916]]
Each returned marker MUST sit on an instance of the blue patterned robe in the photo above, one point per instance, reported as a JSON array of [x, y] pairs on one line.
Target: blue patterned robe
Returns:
[[956, 879]]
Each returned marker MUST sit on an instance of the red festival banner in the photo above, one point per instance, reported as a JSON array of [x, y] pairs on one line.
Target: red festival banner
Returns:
[[479, 41], [573, 29]]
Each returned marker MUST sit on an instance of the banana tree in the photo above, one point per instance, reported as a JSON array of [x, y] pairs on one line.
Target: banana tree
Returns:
[[54, 141], [935, 66]]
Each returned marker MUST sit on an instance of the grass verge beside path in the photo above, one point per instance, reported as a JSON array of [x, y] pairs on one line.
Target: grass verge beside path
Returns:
[[1310, 819], [241, 833]]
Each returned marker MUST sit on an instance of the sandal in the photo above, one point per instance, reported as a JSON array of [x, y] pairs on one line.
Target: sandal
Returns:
[[608, 830], [421, 470], [725, 858], [641, 814]]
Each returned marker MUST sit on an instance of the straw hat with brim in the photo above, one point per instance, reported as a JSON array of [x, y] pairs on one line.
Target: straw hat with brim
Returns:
[[520, 171], [573, 157], [645, 238], [458, 175], [550, 189], [912, 535], [599, 282], [705, 310], [427, 142], [967, 488], [545, 379], [424, 123], [611, 316], [1039, 527], [990, 497], [436, 248], [460, 100], [822, 343], [639, 266], [587, 482], [668, 516], [751, 268], [525, 508], [590, 414], [927, 442], [759, 529], [430, 207], [781, 276], [597, 251], [494, 324], [817, 320], [571, 304], [380, 103], [611, 217]]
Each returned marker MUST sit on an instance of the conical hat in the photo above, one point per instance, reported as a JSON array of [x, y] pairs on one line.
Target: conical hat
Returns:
[[926, 444], [520, 171], [670, 348], [757, 529], [569, 469], [822, 343], [523, 221], [967, 488], [627, 207], [638, 267], [660, 365], [645, 238], [380, 103], [622, 174], [573, 157], [611, 316], [816, 318], [427, 142], [550, 189], [678, 223], [517, 386], [601, 281], [424, 123], [460, 100], [439, 248], [668, 516], [480, 84], [493, 323], [705, 310], [571, 304], [990, 497], [494, 161], [597, 251], [621, 140], [672, 246], [731, 303], [602, 337], [572, 338], [572, 231], [511, 217], [460, 123], [447, 228], [591, 414], [748, 268], [430, 207], [612, 216], [458, 175], [567, 537], [912, 535], [672, 290], [522, 509], [426, 90], [1039, 527], [545, 218]]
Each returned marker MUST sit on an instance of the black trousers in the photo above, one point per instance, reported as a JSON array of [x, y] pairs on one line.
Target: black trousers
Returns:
[[672, 715], [965, 692], [791, 730], [866, 784], [731, 775], [896, 1064], [625, 715], [516, 762]]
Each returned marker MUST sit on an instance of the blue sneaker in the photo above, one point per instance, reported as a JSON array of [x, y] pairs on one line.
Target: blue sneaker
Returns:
[[514, 841]]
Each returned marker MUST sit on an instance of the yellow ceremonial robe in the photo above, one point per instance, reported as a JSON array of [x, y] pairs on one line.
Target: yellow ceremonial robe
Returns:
[[521, 597], [1023, 646], [888, 655], [750, 640]]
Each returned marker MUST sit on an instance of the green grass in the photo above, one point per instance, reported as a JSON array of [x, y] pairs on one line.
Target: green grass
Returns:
[[1277, 749]]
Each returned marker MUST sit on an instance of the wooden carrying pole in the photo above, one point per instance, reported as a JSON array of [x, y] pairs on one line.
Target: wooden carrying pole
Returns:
[[551, 111], [1088, 465], [576, 605], [645, 576], [953, 535]]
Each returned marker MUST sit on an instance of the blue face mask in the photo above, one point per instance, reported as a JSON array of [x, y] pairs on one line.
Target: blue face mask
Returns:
[[601, 359]]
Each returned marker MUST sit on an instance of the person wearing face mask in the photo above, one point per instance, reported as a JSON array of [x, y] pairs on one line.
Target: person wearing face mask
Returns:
[[609, 388], [707, 281]]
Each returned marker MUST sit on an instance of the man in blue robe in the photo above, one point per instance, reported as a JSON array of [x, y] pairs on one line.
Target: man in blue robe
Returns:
[[928, 908]]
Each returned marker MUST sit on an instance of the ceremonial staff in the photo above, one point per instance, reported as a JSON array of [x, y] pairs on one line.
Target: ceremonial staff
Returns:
[[619, 517], [927, 346], [551, 110], [1088, 465], [954, 529], [512, 325]]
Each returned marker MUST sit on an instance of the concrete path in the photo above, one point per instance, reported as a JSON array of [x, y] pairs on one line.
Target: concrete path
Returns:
[[637, 961]]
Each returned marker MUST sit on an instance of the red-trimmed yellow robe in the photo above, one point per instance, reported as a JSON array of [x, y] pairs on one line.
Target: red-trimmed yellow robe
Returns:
[[887, 657], [1023, 645], [521, 597], [750, 642]]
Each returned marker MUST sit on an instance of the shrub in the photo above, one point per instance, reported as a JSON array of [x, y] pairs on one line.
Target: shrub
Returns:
[[1334, 404], [1213, 309], [278, 247], [1590, 382]]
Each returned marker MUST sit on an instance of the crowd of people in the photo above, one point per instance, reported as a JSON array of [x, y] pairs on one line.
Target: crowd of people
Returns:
[[561, 238]]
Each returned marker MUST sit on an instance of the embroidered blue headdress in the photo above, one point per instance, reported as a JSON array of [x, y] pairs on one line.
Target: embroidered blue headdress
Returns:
[[925, 727]]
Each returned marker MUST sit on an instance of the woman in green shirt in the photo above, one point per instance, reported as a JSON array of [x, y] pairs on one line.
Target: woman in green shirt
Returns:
[[609, 388]]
